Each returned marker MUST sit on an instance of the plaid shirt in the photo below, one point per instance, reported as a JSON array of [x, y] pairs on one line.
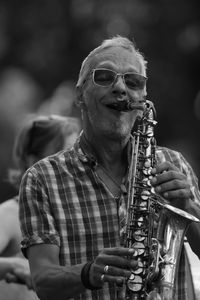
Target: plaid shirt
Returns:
[[64, 202]]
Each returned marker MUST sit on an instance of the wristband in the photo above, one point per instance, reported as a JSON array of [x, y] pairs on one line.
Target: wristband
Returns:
[[85, 274]]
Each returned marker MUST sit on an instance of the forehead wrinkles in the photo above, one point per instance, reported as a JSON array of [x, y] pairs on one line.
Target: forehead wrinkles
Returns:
[[119, 57]]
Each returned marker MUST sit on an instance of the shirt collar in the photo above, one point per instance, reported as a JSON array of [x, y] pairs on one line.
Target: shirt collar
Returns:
[[85, 151]]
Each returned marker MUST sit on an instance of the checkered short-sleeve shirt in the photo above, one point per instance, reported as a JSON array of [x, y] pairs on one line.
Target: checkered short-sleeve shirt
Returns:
[[64, 202]]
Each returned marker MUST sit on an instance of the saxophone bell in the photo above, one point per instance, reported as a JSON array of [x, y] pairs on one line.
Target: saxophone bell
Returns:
[[166, 247]]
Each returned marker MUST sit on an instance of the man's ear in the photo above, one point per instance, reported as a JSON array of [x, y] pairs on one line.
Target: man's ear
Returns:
[[79, 98]]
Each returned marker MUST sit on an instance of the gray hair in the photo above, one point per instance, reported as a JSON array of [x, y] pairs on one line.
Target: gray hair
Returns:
[[117, 41]]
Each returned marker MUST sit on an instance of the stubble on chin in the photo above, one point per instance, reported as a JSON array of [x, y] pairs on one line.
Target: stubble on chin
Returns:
[[118, 131]]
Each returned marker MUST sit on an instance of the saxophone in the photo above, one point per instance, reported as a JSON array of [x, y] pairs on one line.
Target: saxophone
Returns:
[[153, 228]]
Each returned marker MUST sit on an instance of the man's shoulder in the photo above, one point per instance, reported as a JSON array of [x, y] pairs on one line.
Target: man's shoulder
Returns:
[[168, 154], [59, 157], [166, 150], [55, 161]]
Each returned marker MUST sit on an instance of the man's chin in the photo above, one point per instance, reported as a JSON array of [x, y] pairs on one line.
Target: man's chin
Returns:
[[118, 133]]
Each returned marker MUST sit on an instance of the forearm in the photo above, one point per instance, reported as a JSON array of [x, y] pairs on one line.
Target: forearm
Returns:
[[11, 264], [6, 266], [58, 282], [193, 232]]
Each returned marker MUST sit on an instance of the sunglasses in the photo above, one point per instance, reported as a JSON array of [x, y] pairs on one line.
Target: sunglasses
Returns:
[[106, 77]]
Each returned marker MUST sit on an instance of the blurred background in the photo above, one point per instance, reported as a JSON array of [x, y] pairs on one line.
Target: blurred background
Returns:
[[42, 45]]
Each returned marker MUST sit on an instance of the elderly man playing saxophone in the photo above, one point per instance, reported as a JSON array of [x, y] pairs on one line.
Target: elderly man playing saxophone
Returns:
[[72, 204]]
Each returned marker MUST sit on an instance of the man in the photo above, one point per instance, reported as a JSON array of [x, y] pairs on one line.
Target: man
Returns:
[[71, 204]]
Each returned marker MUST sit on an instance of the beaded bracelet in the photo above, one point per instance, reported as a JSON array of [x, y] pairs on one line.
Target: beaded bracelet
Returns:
[[85, 273]]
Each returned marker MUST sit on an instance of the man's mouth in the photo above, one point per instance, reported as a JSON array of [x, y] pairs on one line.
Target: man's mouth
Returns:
[[126, 105], [119, 106]]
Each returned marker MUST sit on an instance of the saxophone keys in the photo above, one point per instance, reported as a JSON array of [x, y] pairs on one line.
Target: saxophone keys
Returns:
[[139, 235], [134, 283], [146, 182], [140, 221], [147, 163], [147, 171], [149, 133], [140, 268], [145, 195], [146, 144], [139, 247], [143, 206]]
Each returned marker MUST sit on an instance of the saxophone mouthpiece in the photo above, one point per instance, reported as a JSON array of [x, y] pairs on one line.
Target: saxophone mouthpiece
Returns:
[[134, 106], [128, 106]]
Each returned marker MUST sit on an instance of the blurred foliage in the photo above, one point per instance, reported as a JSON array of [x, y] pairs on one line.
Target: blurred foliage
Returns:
[[48, 39]]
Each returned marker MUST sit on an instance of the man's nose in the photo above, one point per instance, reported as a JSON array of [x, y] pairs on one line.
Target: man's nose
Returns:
[[119, 86]]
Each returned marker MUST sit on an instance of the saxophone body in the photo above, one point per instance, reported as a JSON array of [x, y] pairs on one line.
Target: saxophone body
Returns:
[[153, 228]]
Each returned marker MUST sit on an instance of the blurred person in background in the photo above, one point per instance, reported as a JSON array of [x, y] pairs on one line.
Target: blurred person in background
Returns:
[[61, 102], [20, 95], [39, 137], [73, 205]]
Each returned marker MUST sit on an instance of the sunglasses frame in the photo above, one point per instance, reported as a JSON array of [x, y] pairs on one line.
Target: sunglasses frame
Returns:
[[116, 76]]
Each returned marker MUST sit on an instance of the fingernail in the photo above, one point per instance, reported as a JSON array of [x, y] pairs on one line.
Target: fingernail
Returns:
[[131, 251], [154, 180], [158, 189], [120, 281], [134, 265]]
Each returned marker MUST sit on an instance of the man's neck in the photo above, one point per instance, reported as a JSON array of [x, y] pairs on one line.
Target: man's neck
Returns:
[[111, 154]]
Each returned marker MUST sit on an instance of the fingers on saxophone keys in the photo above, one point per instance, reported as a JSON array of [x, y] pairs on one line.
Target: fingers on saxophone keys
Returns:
[[114, 274], [118, 280]]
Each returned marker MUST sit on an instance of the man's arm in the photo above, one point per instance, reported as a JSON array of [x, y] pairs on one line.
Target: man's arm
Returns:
[[50, 280]]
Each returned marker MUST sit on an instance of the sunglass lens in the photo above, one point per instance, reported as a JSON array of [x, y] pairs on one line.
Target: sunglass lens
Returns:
[[104, 77], [134, 81]]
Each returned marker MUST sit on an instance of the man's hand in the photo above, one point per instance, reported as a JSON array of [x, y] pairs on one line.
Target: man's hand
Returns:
[[112, 265], [171, 184]]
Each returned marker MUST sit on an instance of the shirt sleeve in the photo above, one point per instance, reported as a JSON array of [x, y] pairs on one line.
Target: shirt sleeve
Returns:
[[192, 180], [36, 220], [176, 158]]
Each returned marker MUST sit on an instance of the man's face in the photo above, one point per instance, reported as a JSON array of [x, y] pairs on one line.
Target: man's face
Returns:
[[98, 113]]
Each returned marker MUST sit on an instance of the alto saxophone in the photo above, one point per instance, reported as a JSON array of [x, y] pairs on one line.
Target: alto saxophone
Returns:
[[153, 228]]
